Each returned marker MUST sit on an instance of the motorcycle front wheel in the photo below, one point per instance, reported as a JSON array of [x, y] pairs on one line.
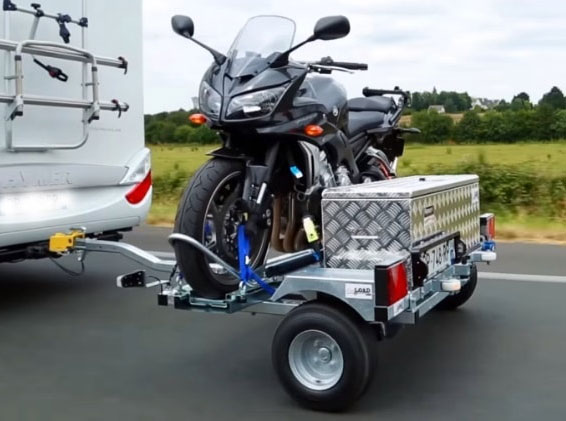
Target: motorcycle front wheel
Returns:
[[209, 212]]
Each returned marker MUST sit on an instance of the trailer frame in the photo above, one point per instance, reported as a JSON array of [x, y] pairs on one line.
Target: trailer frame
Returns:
[[326, 310]]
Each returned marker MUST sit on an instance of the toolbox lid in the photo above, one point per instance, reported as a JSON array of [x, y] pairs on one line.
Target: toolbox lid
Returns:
[[401, 188]]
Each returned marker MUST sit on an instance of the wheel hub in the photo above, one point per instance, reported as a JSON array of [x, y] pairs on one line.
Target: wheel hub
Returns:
[[325, 355], [316, 360]]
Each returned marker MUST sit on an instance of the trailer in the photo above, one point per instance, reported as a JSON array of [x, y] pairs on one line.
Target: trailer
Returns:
[[72, 147], [392, 252]]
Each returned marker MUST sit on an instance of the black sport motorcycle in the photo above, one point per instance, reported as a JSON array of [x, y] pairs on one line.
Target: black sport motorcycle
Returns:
[[288, 133]]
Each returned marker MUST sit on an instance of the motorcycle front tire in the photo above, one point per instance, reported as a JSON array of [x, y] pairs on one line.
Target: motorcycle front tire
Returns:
[[191, 220]]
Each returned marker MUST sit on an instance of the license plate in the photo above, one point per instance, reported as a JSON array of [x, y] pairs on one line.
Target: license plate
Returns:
[[31, 204], [440, 257]]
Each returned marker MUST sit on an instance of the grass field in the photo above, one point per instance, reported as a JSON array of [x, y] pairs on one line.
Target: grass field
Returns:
[[406, 119], [172, 162], [546, 158]]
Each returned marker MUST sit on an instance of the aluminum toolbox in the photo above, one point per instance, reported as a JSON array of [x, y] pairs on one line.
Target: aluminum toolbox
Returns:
[[365, 221]]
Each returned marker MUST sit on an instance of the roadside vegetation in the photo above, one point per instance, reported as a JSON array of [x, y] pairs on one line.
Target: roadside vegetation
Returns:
[[525, 183], [516, 148]]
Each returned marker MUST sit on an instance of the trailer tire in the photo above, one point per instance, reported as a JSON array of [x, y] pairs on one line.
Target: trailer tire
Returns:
[[454, 301], [322, 357], [191, 220]]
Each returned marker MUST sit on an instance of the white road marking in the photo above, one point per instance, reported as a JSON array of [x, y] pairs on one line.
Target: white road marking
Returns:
[[522, 277], [163, 255], [496, 276]]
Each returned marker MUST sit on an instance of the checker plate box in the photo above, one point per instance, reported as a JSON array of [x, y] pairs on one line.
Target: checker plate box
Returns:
[[364, 223]]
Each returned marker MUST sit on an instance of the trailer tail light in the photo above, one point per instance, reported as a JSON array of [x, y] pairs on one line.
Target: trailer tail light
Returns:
[[487, 226], [391, 284], [397, 282], [139, 192]]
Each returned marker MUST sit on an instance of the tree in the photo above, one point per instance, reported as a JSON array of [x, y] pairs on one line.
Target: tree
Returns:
[[503, 106], [417, 101], [435, 127], [522, 96], [492, 128], [159, 131], [554, 99], [544, 119], [468, 127], [184, 134], [519, 103], [450, 106], [558, 128], [453, 102]]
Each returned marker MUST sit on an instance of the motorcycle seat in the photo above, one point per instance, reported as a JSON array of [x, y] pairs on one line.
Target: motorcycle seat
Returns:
[[359, 122], [382, 104]]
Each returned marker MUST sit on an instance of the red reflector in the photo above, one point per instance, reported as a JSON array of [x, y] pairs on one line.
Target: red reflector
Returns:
[[398, 287], [139, 192], [487, 225], [491, 228]]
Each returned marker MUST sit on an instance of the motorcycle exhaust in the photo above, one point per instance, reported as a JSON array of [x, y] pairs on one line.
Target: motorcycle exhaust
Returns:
[[276, 242], [292, 228]]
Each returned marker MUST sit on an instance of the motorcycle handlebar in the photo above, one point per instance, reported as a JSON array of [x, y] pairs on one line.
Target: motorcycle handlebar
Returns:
[[378, 92], [350, 66], [328, 61]]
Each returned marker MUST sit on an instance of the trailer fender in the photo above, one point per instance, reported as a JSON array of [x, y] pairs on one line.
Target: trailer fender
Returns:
[[362, 307]]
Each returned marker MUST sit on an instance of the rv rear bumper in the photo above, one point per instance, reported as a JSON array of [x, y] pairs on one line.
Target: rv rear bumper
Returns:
[[94, 209]]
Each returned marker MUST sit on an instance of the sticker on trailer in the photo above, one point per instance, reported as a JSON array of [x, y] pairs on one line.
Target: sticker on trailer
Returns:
[[359, 291], [476, 196]]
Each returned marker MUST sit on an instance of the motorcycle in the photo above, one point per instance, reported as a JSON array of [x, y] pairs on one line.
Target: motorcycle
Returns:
[[289, 132]]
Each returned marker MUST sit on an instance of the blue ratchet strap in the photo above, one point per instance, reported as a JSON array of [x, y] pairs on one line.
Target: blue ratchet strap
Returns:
[[246, 272], [488, 246]]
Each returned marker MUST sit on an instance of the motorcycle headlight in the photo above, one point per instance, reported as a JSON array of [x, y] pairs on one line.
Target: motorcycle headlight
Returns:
[[210, 101], [255, 104]]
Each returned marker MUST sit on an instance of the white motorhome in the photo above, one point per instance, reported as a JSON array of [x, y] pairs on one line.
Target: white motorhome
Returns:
[[72, 148]]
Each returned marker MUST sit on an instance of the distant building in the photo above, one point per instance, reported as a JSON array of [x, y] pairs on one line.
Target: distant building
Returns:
[[195, 102], [484, 103], [438, 108]]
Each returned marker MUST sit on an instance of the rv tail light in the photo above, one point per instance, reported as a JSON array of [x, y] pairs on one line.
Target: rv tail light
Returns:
[[139, 192], [487, 226], [391, 284], [138, 168]]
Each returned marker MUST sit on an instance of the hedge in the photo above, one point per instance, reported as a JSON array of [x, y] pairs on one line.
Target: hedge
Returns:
[[539, 124]]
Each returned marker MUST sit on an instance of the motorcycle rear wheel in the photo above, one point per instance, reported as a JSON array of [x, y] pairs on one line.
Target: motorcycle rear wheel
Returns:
[[209, 212]]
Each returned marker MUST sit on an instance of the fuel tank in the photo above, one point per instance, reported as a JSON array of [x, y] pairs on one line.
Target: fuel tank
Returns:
[[326, 91]]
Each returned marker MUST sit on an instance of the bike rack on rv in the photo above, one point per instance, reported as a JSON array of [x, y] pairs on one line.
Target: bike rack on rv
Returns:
[[376, 301], [91, 107]]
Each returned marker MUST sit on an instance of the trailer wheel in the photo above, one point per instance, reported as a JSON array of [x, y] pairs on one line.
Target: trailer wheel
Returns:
[[454, 301], [322, 357]]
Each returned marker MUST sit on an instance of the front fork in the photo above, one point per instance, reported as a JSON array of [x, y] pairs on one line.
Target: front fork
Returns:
[[255, 190]]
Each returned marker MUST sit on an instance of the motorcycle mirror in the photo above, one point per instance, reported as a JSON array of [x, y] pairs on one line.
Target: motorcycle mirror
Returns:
[[331, 27], [183, 25], [326, 29]]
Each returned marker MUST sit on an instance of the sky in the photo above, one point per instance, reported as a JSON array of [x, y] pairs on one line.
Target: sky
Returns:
[[489, 48]]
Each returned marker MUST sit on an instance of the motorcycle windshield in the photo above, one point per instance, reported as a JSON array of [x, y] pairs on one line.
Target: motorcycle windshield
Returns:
[[258, 43]]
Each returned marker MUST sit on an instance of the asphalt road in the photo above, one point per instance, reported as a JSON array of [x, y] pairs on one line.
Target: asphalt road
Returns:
[[81, 349]]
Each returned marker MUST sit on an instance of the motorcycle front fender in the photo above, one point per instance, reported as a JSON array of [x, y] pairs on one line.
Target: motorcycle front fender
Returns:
[[229, 153]]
